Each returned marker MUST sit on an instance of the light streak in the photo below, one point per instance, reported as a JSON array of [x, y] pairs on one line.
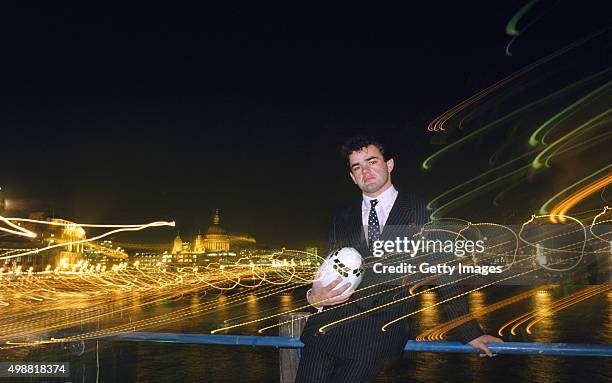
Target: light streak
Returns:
[[537, 161], [438, 332], [18, 230], [438, 123], [549, 124], [546, 311], [521, 164], [111, 293], [544, 208], [511, 29], [596, 221], [120, 228], [564, 206], [551, 216], [591, 293]]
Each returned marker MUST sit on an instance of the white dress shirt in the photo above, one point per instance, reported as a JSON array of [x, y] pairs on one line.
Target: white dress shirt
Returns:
[[383, 208]]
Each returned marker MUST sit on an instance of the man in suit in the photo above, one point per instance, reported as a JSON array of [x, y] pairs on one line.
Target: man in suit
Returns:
[[356, 350]]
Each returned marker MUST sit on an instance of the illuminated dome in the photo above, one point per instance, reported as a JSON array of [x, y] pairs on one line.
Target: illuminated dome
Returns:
[[215, 240], [215, 229]]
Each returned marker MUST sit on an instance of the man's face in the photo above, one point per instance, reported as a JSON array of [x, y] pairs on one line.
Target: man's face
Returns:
[[370, 171]]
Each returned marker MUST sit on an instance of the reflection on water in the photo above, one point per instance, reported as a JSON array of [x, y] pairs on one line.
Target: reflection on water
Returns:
[[589, 321], [544, 331], [545, 328], [430, 315], [476, 300]]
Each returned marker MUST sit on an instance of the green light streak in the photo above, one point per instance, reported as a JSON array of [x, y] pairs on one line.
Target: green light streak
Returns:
[[457, 108], [441, 196], [499, 179], [511, 26], [566, 112], [585, 144], [426, 165], [434, 202], [511, 29], [508, 53], [466, 195], [537, 162], [544, 209]]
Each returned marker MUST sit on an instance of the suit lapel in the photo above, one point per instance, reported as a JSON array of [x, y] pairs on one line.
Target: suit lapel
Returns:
[[401, 214], [355, 223]]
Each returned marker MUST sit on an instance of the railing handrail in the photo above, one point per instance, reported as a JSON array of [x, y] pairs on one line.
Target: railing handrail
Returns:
[[509, 348]]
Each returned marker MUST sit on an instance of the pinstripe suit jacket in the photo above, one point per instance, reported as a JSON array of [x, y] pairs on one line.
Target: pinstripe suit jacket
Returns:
[[362, 338]]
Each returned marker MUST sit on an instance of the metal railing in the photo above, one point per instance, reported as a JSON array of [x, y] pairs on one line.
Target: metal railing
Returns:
[[509, 348]]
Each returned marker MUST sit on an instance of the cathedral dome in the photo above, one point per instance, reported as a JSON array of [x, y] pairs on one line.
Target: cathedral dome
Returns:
[[215, 229]]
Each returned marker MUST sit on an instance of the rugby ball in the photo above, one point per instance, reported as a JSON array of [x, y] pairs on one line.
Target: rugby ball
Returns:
[[345, 263]]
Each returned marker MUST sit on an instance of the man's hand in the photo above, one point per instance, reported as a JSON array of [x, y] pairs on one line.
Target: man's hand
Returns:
[[328, 296], [481, 341]]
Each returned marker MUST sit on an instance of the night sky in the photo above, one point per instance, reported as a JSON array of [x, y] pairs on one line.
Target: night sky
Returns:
[[134, 113]]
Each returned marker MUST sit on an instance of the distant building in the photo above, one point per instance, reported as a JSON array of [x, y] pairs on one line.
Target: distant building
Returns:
[[217, 245], [47, 235], [104, 255], [177, 245], [148, 260], [216, 239]]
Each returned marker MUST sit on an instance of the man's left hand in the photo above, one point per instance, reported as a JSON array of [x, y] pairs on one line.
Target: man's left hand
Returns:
[[481, 343]]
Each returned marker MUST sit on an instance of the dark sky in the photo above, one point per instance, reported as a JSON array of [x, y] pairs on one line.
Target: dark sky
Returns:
[[133, 113]]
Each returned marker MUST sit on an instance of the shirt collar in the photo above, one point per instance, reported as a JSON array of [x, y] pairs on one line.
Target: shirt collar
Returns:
[[386, 199]]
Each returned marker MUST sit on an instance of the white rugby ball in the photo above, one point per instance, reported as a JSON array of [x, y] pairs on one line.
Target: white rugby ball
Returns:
[[345, 263]]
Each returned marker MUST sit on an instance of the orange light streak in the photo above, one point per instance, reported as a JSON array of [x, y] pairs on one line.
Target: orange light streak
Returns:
[[564, 206]]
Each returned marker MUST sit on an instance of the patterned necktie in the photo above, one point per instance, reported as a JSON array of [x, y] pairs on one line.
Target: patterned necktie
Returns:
[[373, 225]]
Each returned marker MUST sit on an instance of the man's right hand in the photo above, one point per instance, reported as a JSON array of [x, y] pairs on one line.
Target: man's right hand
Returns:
[[327, 295]]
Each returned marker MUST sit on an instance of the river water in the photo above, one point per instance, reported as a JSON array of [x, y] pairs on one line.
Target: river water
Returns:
[[589, 321]]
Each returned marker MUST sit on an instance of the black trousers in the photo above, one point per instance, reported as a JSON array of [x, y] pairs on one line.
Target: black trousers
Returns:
[[317, 366]]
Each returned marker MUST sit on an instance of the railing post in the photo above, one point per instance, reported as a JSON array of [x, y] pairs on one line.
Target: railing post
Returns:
[[289, 358]]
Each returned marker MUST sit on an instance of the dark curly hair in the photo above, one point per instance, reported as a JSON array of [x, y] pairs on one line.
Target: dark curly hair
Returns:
[[356, 143]]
